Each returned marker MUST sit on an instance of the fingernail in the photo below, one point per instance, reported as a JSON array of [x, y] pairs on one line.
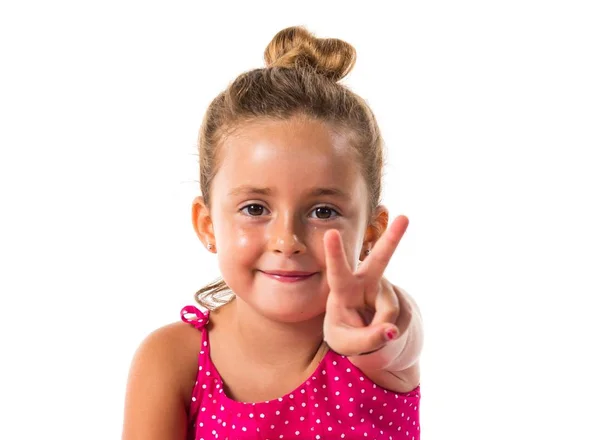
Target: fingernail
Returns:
[[391, 334]]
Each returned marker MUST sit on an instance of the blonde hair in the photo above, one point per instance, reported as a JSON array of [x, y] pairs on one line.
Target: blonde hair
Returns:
[[300, 79]]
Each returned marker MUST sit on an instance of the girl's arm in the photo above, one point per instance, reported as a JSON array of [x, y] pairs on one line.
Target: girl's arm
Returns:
[[396, 365], [156, 397]]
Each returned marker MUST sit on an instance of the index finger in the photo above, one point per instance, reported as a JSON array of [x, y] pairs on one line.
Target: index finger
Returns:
[[374, 265], [339, 274]]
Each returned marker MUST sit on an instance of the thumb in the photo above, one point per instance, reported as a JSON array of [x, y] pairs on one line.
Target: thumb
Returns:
[[354, 341]]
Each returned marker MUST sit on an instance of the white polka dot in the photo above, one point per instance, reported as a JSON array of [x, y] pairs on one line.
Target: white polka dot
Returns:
[[244, 428], [291, 408], [336, 378], [291, 396], [330, 429], [297, 432], [251, 415], [350, 414], [348, 370], [193, 399]]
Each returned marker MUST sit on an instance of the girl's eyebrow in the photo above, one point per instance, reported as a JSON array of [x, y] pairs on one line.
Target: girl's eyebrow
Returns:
[[314, 192]]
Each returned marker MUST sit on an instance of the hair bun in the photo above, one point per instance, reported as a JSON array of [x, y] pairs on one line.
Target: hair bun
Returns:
[[295, 47]]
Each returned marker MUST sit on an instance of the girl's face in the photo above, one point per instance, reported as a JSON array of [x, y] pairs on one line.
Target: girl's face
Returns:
[[279, 186]]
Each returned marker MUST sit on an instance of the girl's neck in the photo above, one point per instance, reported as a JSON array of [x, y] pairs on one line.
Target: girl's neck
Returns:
[[273, 344]]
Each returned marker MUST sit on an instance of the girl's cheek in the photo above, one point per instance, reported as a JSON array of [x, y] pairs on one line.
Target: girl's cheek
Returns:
[[248, 236]]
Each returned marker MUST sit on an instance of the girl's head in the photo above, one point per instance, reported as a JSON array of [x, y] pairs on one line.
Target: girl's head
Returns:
[[286, 152]]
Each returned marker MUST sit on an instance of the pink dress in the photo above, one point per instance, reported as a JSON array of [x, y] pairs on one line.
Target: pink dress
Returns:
[[337, 402]]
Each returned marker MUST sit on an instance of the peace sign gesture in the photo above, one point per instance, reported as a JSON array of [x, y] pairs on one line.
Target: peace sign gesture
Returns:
[[362, 306]]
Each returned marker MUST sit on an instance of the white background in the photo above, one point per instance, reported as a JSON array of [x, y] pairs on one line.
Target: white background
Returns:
[[490, 112]]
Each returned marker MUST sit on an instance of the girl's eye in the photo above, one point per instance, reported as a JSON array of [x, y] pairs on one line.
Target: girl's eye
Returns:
[[325, 213], [254, 210]]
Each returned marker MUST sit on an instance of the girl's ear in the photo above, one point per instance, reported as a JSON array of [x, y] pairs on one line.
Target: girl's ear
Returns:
[[375, 229], [203, 223]]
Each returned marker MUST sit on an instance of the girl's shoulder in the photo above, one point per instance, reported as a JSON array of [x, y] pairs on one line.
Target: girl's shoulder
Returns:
[[161, 380], [173, 349]]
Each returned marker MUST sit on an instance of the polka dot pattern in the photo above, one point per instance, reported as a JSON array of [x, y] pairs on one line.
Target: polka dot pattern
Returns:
[[337, 401]]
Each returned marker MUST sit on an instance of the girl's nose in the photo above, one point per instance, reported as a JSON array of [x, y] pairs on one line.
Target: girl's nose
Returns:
[[285, 237]]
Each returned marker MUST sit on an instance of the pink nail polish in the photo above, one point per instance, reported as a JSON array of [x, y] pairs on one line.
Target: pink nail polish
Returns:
[[391, 334]]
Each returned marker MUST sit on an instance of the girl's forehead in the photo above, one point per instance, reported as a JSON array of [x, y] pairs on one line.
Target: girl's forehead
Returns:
[[305, 153]]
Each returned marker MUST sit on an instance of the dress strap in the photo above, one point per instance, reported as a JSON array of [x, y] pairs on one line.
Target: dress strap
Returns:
[[194, 316]]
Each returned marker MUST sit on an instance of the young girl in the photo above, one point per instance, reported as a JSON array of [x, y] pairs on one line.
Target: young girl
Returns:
[[303, 337]]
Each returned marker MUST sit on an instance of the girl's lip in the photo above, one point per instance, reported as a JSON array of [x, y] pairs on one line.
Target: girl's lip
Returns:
[[288, 277], [283, 273]]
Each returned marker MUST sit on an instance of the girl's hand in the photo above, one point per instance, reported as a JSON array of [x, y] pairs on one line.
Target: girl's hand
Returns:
[[362, 307]]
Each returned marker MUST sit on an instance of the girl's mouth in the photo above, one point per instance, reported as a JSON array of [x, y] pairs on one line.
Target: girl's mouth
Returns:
[[288, 276]]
